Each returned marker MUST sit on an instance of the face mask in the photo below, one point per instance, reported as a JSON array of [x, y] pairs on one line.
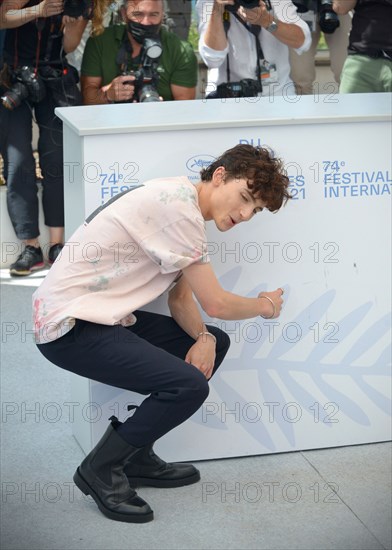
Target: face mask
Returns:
[[140, 32]]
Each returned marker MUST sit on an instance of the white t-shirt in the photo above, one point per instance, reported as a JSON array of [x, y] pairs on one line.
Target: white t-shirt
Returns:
[[242, 52], [127, 253]]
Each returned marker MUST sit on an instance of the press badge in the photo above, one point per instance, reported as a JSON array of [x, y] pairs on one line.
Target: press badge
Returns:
[[268, 73]]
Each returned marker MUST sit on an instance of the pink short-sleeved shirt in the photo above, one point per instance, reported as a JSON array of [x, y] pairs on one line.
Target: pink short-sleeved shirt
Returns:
[[127, 253]]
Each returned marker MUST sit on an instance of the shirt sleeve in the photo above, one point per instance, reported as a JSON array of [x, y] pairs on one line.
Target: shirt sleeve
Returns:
[[212, 58], [92, 56], [185, 70], [285, 11], [178, 245]]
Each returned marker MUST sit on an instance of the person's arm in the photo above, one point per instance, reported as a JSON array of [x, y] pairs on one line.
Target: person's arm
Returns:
[[72, 32], [183, 78], [181, 92], [219, 303], [341, 7], [185, 312], [13, 13], [120, 89], [215, 35]]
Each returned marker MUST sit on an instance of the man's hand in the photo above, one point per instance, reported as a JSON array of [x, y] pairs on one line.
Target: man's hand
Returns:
[[47, 8], [272, 310], [202, 355], [256, 16], [121, 88]]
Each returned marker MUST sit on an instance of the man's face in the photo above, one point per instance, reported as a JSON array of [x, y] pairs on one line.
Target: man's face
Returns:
[[146, 12], [232, 203]]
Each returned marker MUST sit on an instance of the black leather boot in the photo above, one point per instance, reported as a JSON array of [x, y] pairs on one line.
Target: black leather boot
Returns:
[[101, 475], [146, 468]]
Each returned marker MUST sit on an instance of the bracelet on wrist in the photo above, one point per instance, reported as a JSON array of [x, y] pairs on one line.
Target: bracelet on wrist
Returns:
[[273, 308], [205, 333]]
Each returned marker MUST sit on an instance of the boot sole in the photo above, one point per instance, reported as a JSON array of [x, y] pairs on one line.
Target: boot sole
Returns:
[[82, 484], [163, 483]]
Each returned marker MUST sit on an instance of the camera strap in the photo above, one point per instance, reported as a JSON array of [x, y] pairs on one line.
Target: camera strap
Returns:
[[124, 57], [54, 32], [255, 31]]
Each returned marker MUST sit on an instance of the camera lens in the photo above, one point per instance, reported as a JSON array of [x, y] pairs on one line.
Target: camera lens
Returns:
[[328, 19], [14, 96], [148, 94]]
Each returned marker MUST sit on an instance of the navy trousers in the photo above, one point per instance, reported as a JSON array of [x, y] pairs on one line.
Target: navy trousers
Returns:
[[146, 358]]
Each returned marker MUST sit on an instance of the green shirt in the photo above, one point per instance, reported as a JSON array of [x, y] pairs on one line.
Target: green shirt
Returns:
[[177, 64]]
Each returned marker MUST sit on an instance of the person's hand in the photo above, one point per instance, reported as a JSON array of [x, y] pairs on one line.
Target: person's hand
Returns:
[[219, 5], [121, 88], [69, 21], [272, 303], [256, 16], [202, 355], [47, 8]]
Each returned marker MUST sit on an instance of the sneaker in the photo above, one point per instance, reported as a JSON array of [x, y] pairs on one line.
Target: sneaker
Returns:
[[30, 260], [54, 252]]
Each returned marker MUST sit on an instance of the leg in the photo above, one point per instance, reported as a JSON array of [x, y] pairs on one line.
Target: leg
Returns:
[[337, 44], [50, 148], [165, 333], [118, 357], [22, 200], [362, 74], [303, 70], [146, 468]]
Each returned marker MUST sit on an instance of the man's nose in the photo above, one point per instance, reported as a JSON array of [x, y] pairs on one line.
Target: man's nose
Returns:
[[247, 212]]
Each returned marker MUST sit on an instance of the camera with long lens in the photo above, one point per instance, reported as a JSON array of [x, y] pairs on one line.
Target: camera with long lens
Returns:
[[78, 8], [147, 77], [327, 18], [25, 84]]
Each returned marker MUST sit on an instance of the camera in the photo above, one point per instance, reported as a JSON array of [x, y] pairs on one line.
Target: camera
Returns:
[[26, 84], [247, 87], [145, 85], [78, 8], [327, 18], [62, 84], [147, 77]]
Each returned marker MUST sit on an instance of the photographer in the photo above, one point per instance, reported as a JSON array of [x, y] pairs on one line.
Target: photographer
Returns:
[[112, 61], [36, 80], [239, 42], [321, 18], [368, 67]]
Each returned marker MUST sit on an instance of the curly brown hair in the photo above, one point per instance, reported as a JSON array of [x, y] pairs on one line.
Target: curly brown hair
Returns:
[[266, 176]]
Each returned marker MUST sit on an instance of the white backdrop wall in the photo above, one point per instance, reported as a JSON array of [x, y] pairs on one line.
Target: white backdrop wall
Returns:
[[319, 376]]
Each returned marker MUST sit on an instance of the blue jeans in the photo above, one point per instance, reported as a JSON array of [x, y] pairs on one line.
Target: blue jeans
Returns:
[[20, 174]]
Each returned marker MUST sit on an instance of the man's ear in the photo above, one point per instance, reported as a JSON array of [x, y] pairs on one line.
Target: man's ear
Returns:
[[218, 177], [123, 12]]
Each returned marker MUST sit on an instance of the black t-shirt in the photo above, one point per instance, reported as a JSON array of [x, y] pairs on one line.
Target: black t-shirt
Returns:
[[371, 27], [23, 45]]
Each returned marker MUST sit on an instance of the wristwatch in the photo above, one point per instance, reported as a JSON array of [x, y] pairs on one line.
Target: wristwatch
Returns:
[[272, 27]]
